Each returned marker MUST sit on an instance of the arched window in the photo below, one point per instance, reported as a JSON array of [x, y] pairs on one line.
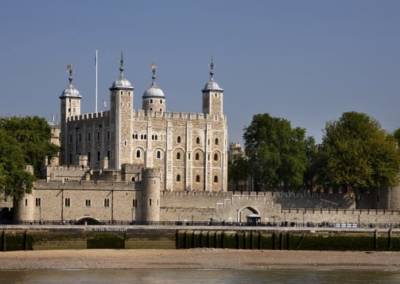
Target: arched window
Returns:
[[178, 156], [160, 101], [158, 154], [138, 154], [197, 178], [197, 156], [198, 140], [215, 178], [178, 139], [151, 101], [178, 177], [216, 141], [215, 157]]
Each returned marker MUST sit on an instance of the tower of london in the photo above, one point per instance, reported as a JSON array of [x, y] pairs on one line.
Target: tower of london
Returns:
[[189, 149]]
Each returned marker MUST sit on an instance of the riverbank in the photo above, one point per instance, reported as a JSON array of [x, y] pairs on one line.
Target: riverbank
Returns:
[[197, 259]]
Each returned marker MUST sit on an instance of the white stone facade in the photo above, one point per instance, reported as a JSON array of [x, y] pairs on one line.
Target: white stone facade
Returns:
[[190, 149]]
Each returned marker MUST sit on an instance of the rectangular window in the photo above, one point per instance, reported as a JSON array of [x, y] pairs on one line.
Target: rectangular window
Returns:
[[106, 202], [88, 137], [87, 203], [67, 202], [37, 202], [26, 202], [109, 155], [108, 135], [134, 203], [98, 156]]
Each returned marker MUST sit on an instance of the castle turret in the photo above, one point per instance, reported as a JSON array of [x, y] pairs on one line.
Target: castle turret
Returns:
[[150, 203], [153, 97], [70, 100], [213, 95], [121, 120]]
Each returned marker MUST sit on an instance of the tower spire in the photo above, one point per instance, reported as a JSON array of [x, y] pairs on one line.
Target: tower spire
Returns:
[[212, 69], [153, 71], [121, 66], [69, 70]]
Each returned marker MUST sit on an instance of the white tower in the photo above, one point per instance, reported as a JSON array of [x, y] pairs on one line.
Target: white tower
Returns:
[[70, 106]]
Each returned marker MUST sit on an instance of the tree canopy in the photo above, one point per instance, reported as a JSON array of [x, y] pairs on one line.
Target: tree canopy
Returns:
[[23, 141], [357, 153], [276, 151]]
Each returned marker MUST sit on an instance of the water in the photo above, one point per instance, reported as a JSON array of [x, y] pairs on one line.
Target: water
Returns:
[[192, 276]]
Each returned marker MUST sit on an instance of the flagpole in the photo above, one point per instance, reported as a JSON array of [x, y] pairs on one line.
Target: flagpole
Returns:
[[96, 60]]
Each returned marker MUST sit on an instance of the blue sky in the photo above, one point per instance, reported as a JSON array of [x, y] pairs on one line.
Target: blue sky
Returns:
[[307, 61]]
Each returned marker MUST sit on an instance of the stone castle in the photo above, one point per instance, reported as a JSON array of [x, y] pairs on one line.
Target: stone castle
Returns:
[[150, 165]]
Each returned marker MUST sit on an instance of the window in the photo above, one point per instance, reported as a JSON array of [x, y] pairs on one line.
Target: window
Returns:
[[160, 101], [197, 178], [151, 101], [67, 202], [197, 157], [160, 109], [151, 109], [178, 139], [98, 156], [106, 202], [216, 141], [215, 179], [70, 139], [98, 135], [88, 137], [88, 157], [109, 155], [37, 202], [178, 177], [215, 157], [141, 136], [150, 201], [138, 154], [26, 202], [108, 135], [145, 136], [178, 156], [198, 140], [87, 202], [158, 154], [134, 203]]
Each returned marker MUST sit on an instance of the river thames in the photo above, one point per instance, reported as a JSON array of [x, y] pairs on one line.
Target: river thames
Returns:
[[178, 276]]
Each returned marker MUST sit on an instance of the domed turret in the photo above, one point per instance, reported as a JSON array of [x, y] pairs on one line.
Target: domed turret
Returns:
[[121, 82], [70, 91], [153, 97], [211, 85], [212, 95]]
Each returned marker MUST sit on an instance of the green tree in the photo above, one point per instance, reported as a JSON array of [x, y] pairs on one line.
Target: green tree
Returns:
[[14, 180], [33, 135], [312, 164], [238, 172], [396, 135], [276, 152], [356, 153]]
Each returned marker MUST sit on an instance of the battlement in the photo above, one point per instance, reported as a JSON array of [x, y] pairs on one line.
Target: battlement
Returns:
[[327, 211], [86, 185], [177, 115], [190, 194], [89, 116]]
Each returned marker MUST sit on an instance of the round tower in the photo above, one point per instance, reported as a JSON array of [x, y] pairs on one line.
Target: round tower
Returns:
[[70, 105], [394, 198], [153, 97], [150, 196], [25, 209], [213, 95]]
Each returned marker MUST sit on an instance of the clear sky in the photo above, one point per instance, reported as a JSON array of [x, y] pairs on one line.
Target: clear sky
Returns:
[[307, 61]]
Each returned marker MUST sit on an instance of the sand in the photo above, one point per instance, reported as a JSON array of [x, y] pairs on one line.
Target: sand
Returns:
[[198, 259]]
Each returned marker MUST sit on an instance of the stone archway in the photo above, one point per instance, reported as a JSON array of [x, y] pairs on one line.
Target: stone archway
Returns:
[[87, 220], [243, 212]]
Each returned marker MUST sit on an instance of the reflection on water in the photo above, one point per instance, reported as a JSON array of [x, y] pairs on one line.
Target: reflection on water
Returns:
[[192, 276]]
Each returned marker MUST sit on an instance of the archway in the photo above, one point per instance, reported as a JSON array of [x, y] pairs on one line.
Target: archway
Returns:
[[87, 220], [246, 211]]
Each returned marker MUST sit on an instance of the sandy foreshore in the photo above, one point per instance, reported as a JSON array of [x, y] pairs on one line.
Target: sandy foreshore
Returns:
[[197, 259]]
